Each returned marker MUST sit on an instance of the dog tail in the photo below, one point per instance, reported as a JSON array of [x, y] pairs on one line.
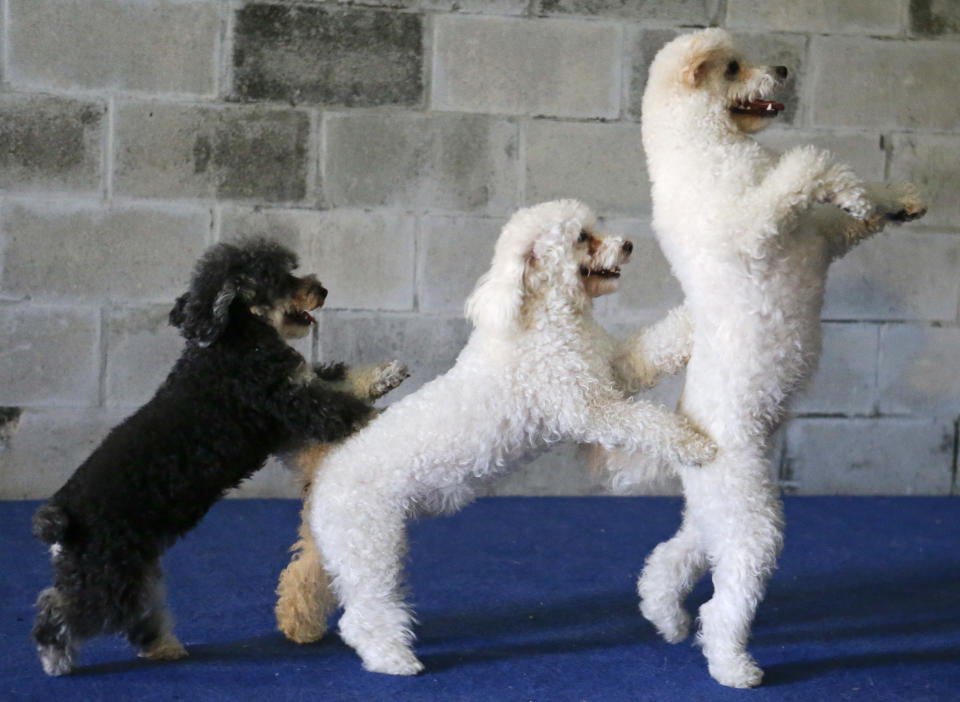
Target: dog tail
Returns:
[[50, 523]]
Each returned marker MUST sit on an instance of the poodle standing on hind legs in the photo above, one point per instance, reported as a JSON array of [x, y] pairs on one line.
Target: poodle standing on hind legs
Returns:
[[536, 369], [237, 393], [750, 235]]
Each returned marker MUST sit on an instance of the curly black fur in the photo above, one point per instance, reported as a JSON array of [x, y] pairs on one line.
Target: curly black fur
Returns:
[[235, 395]]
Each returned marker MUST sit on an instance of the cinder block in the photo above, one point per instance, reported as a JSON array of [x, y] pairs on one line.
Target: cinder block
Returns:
[[452, 254], [173, 151], [934, 18], [50, 356], [49, 445], [845, 380], [930, 162], [142, 347], [897, 275], [873, 17], [365, 259], [428, 345], [304, 53], [691, 12], [414, 161], [80, 252], [901, 275], [918, 370], [50, 143], [865, 153], [602, 164], [513, 66], [870, 456], [156, 46], [917, 90]]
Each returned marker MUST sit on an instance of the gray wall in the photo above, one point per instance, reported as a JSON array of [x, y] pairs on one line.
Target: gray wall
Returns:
[[387, 141]]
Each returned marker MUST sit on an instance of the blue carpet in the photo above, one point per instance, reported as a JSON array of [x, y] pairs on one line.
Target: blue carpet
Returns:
[[533, 599]]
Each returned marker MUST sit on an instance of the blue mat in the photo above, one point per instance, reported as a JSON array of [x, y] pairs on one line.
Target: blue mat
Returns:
[[533, 599]]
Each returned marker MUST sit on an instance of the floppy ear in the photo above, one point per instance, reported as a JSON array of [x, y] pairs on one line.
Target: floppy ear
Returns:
[[204, 317], [498, 296], [695, 64]]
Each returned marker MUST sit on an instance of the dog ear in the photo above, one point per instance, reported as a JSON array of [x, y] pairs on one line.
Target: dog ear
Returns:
[[696, 62], [203, 318], [496, 300]]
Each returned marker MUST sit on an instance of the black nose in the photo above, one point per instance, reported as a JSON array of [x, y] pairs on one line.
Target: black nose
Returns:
[[319, 291], [781, 72], [628, 246]]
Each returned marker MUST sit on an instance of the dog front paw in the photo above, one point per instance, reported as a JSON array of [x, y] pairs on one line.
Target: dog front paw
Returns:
[[908, 203], [843, 188], [695, 448], [388, 376]]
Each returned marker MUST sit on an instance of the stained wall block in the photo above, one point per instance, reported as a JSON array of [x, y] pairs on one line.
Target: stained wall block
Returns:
[[321, 55], [50, 143], [935, 18], [412, 161], [198, 151]]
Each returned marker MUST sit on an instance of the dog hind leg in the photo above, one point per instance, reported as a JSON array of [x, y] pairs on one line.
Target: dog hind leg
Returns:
[[668, 576], [362, 546], [56, 643], [151, 632], [739, 517], [304, 597]]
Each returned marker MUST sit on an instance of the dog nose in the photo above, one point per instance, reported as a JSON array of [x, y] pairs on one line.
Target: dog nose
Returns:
[[628, 247], [781, 72], [319, 291]]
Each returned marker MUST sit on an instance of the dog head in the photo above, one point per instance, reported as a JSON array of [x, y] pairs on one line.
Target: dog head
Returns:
[[550, 250], [253, 276], [707, 69]]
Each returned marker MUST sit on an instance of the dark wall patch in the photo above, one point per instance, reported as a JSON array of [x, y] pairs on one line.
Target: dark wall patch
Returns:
[[314, 55]]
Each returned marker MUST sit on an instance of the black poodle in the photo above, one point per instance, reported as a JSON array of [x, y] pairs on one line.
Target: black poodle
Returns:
[[237, 394]]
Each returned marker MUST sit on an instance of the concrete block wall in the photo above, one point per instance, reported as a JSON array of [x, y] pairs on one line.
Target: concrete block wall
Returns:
[[387, 141]]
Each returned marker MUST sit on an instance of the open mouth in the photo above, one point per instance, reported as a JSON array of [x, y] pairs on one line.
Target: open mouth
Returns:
[[602, 273], [301, 317], [757, 108]]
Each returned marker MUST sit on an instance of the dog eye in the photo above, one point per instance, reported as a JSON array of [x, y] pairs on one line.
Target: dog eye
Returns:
[[583, 236], [732, 69]]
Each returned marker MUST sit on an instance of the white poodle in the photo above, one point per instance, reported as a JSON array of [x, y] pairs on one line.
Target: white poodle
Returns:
[[537, 369], [745, 235]]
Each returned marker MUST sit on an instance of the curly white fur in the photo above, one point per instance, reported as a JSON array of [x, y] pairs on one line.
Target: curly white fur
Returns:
[[744, 234], [537, 369]]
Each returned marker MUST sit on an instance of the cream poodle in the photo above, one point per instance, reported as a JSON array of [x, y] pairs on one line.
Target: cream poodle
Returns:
[[750, 235], [537, 369]]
